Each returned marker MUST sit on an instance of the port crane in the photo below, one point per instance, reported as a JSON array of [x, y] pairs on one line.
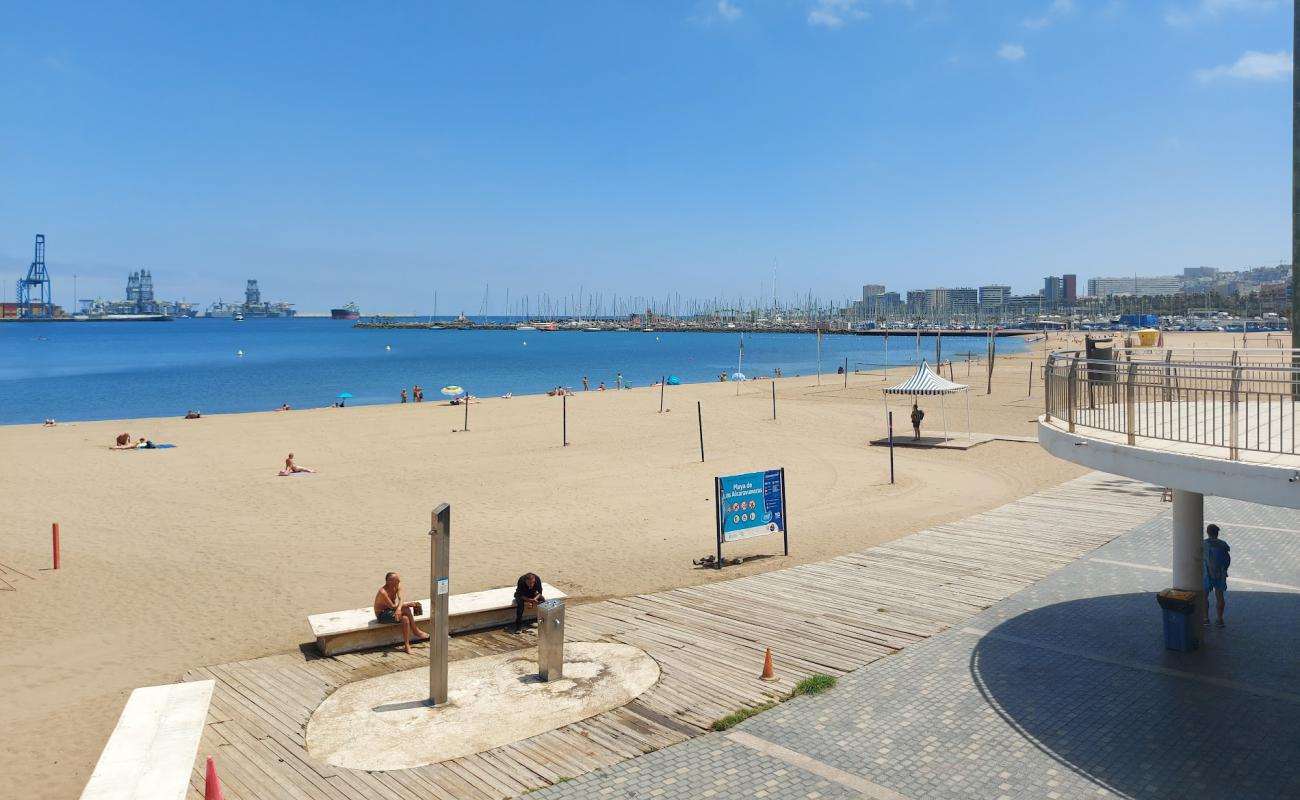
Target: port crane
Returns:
[[38, 277]]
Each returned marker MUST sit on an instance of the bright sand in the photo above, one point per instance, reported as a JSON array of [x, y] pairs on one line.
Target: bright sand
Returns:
[[174, 559]]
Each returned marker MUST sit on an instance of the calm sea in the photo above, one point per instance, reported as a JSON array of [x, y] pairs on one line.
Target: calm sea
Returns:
[[85, 371]]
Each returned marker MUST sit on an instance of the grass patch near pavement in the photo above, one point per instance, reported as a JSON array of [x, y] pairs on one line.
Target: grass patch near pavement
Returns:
[[737, 717], [813, 684]]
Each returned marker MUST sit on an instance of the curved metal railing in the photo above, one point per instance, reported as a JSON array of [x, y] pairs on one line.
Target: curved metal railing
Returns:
[[1238, 400]]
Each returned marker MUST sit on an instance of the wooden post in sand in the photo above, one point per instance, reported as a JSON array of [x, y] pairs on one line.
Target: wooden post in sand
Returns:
[[774, 398], [662, 381], [564, 424], [439, 572], [699, 413], [55, 533], [891, 447], [1031, 379]]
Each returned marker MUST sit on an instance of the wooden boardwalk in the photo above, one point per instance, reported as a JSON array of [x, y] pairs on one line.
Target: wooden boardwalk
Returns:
[[831, 616]]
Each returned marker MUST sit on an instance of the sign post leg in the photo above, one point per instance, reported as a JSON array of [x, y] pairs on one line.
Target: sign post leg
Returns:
[[440, 566], [717, 513], [785, 516]]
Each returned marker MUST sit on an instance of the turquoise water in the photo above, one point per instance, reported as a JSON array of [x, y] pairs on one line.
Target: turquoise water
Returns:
[[85, 371]]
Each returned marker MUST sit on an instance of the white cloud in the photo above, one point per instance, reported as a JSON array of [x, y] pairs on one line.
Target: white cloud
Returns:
[[1056, 10], [1253, 66], [724, 12], [1011, 52], [1207, 10], [834, 13]]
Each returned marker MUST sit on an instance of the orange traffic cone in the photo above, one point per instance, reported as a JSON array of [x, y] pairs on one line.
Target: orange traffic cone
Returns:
[[768, 674], [212, 789]]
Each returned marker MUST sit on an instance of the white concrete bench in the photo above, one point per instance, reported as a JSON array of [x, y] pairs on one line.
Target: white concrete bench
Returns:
[[357, 628], [150, 755]]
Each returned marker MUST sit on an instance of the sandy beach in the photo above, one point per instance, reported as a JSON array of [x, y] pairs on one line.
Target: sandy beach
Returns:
[[201, 554]]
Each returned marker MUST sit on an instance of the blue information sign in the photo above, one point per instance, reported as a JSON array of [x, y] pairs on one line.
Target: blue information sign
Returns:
[[751, 505]]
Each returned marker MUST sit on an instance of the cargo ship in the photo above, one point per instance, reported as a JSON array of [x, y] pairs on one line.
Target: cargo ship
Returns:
[[349, 311]]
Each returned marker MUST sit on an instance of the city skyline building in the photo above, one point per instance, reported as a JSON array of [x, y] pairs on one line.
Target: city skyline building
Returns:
[[1136, 285]]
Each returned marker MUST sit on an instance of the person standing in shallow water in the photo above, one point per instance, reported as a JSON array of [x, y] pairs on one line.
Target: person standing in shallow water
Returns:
[[917, 416], [1216, 555]]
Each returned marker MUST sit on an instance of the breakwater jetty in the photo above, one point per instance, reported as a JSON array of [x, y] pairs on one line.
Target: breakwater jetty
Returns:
[[677, 326]]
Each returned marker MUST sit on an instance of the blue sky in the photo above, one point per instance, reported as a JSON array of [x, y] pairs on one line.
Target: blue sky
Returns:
[[382, 152]]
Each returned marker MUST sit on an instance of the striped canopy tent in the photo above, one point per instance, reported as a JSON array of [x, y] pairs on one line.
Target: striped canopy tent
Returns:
[[926, 382]]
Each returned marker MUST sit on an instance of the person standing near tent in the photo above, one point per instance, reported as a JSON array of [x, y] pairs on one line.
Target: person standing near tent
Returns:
[[917, 416]]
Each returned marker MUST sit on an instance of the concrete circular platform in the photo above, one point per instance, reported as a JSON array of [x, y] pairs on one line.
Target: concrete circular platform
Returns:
[[384, 724]]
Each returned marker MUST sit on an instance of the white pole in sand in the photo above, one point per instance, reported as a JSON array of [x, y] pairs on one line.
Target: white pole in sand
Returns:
[[970, 437], [944, 409]]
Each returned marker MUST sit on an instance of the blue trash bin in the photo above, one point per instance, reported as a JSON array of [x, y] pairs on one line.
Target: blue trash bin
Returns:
[[1178, 609]]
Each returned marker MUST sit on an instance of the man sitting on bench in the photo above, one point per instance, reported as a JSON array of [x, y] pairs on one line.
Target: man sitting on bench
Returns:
[[390, 610], [528, 593]]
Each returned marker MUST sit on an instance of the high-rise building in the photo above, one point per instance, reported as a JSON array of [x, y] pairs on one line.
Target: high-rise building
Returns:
[[1140, 286], [936, 301], [871, 305], [1053, 291], [917, 302], [994, 297], [963, 300], [1070, 289]]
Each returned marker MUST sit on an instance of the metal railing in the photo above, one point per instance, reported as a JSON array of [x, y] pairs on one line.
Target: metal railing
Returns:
[[1238, 400]]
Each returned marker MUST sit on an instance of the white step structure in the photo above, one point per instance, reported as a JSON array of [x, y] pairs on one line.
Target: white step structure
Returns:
[[150, 755]]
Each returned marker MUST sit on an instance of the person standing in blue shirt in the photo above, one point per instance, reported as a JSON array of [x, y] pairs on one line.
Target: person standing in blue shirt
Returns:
[[1215, 553]]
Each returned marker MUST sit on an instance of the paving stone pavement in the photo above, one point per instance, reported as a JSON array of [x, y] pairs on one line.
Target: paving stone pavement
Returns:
[[1063, 690]]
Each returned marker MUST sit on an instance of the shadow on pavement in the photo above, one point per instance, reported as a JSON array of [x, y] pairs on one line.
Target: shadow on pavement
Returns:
[[1089, 683]]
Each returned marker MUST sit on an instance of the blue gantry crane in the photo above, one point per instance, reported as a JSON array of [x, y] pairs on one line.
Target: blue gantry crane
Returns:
[[34, 296]]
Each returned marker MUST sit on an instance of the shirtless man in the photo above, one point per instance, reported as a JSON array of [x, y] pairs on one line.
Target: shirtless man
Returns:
[[291, 468], [390, 609]]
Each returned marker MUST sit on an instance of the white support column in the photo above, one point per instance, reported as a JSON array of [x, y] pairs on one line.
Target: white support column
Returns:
[[1189, 521]]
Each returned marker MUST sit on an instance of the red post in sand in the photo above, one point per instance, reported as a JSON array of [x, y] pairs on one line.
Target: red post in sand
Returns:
[[56, 545], [212, 788]]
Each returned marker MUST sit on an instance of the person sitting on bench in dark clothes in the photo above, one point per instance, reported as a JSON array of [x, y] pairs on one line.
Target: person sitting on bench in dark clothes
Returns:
[[528, 593]]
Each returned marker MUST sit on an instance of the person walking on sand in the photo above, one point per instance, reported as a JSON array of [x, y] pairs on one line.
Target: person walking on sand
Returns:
[[1216, 555], [917, 416], [390, 610], [586, 387], [403, 395], [291, 468], [619, 384]]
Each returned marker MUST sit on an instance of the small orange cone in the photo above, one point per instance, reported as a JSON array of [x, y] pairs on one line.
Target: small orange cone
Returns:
[[212, 789], [768, 674]]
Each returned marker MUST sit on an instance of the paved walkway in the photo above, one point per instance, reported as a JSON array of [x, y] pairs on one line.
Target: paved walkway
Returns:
[[1063, 690]]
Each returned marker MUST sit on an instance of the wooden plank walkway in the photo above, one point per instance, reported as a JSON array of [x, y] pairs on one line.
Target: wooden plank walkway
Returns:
[[830, 616]]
